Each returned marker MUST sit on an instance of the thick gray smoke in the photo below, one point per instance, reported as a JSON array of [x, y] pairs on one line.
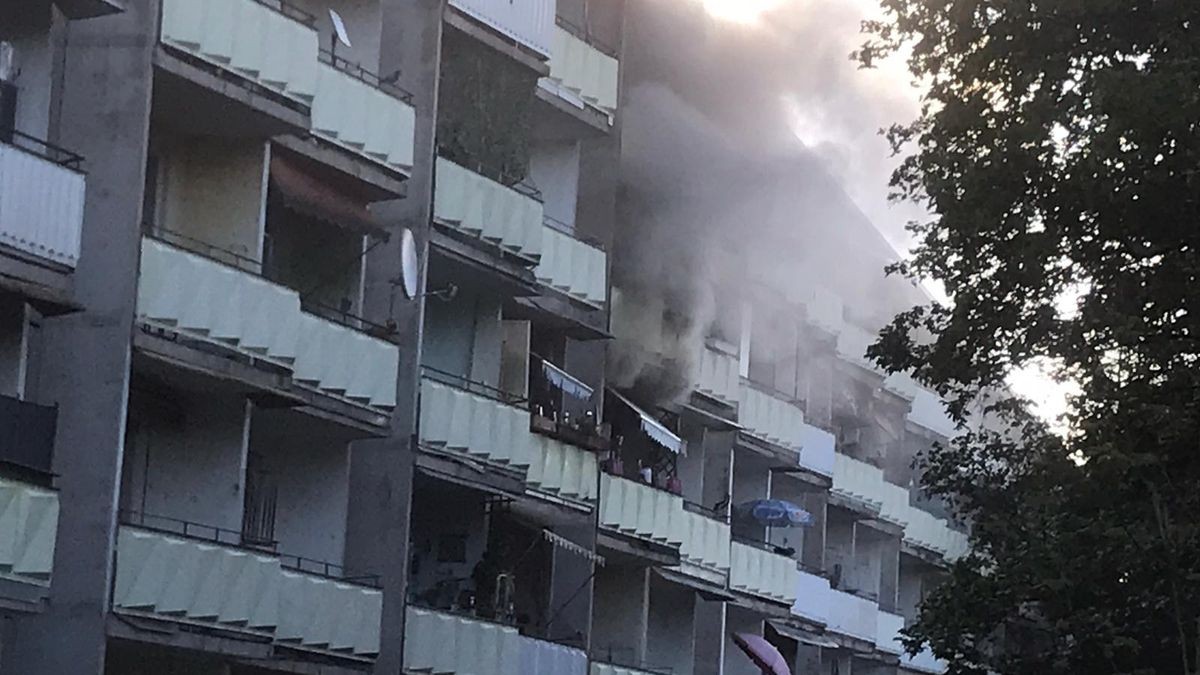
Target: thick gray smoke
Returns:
[[718, 191]]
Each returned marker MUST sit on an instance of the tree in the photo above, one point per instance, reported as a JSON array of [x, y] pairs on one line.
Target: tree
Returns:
[[1058, 149]]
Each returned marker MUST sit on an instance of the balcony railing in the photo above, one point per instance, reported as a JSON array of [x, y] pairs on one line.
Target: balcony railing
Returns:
[[357, 111], [706, 539], [41, 200], [27, 435], [271, 44], [812, 597], [478, 206], [446, 643], [852, 615], [581, 71], [614, 669], [888, 632], [817, 449], [718, 376], [242, 590], [572, 265], [214, 301], [642, 511], [529, 22], [770, 417], [28, 530], [759, 572]]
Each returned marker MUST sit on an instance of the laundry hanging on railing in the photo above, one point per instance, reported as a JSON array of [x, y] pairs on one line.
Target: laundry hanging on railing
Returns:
[[568, 545], [565, 382]]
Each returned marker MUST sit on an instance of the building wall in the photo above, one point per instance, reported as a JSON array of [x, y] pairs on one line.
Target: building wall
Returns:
[[29, 32], [464, 336], [554, 168], [740, 620], [621, 614], [669, 643], [14, 337]]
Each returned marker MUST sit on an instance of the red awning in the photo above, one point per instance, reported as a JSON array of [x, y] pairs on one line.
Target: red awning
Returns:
[[306, 194]]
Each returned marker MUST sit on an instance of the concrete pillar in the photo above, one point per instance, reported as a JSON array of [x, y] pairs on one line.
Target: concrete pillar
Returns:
[[105, 116], [889, 574], [381, 471], [812, 555], [571, 585], [709, 645]]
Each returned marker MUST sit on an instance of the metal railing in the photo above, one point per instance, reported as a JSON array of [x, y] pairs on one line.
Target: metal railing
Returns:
[[349, 319], [586, 35], [27, 433], [368, 77], [44, 149], [235, 539], [468, 385], [560, 226], [776, 393], [702, 510], [521, 184], [204, 249]]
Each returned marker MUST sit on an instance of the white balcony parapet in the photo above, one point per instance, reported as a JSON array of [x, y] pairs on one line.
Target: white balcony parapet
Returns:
[[771, 418], [818, 448], [762, 573], [539, 657], [641, 511], [363, 118], [581, 74], [562, 469], [450, 644], [574, 267], [192, 294], [718, 376], [41, 206], [239, 590], [705, 543], [609, 669], [888, 632], [28, 530], [528, 22], [812, 597], [481, 207], [852, 345], [274, 47], [851, 615], [472, 424]]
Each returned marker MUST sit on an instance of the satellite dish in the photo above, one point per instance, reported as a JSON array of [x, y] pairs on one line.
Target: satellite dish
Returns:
[[408, 264], [339, 28]]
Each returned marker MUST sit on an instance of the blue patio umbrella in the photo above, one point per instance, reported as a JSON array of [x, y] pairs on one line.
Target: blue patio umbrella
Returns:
[[773, 513]]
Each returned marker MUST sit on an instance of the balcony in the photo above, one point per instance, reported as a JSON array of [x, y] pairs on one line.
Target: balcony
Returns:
[[812, 597], [852, 615], [267, 42], [757, 571], [768, 416], [228, 306], [888, 632], [356, 111], [572, 265], [28, 529], [817, 450], [27, 435], [581, 73], [641, 511], [528, 22], [706, 542], [446, 643], [41, 200], [482, 208], [471, 419], [924, 662], [610, 669], [205, 583], [718, 376]]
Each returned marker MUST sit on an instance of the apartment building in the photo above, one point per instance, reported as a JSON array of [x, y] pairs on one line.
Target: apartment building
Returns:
[[327, 350]]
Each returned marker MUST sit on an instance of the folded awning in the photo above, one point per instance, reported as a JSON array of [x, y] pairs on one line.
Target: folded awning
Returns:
[[653, 428], [307, 195], [801, 635], [572, 547], [565, 382], [707, 589]]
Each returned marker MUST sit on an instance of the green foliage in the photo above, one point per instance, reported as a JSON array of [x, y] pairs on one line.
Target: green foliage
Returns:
[[1058, 149]]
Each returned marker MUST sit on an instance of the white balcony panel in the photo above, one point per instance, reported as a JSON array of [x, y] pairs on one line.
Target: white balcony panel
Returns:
[[41, 206], [196, 295], [705, 543], [449, 644], [718, 376], [539, 657], [608, 669], [758, 572], [240, 590], [573, 267], [924, 662], [248, 38], [471, 424], [529, 22], [582, 74], [363, 118], [852, 615], [641, 511], [817, 449], [483, 208], [888, 629], [771, 418], [812, 597], [562, 469], [28, 528]]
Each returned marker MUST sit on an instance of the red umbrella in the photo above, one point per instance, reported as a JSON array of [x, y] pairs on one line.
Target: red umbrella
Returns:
[[762, 653]]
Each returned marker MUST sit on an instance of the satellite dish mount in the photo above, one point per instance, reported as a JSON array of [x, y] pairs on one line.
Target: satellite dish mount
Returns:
[[339, 34]]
